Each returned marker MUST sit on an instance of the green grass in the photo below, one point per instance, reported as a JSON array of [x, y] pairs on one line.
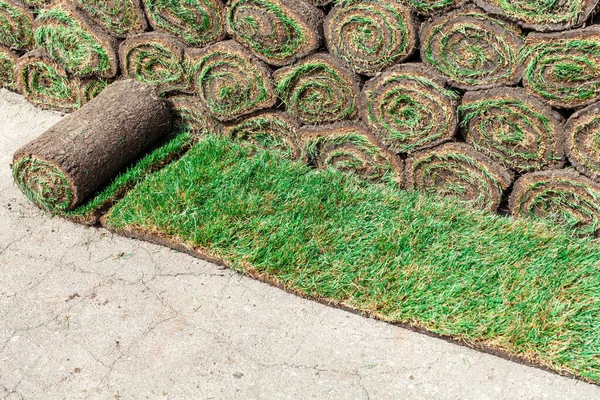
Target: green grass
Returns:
[[520, 287]]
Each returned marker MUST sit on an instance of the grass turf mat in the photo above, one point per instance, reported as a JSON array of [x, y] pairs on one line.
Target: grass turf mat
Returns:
[[524, 289]]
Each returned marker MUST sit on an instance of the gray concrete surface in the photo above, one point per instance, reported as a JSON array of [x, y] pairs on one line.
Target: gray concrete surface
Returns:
[[86, 314]]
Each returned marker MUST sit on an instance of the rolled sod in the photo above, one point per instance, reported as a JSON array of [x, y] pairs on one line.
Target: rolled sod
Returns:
[[196, 22], [67, 35], [16, 25], [230, 81], [542, 15], [473, 49], [278, 32], [90, 88], [8, 62], [154, 58], [371, 35], [275, 131], [431, 7], [582, 145], [120, 18], [85, 150], [457, 170], [45, 83], [409, 108], [564, 197], [189, 115], [318, 89], [350, 147], [562, 68], [513, 128]]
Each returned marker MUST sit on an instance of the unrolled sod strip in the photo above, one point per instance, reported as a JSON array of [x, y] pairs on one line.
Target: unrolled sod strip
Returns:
[[69, 37], [69, 162], [278, 32], [457, 170], [16, 25], [196, 22], [473, 49], [45, 83], [318, 89], [562, 68], [350, 147], [562, 196], [582, 132], [189, 115], [513, 128], [431, 7], [275, 131], [230, 81], [8, 62], [118, 17], [154, 58], [542, 16], [409, 108], [371, 35]]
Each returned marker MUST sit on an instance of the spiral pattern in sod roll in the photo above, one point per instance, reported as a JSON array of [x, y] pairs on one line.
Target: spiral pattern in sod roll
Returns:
[[541, 15], [196, 22], [513, 128], [92, 87], [154, 58], [582, 141], [189, 115], [318, 89], [561, 196], [8, 61], [45, 83], [275, 131], [472, 49], [230, 81], [16, 25], [430, 7], [409, 108], [278, 32], [371, 35], [350, 147], [457, 170], [67, 36], [118, 17], [562, 68]]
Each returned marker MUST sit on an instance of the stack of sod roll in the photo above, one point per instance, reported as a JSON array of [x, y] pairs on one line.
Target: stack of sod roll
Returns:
[[495, 102]]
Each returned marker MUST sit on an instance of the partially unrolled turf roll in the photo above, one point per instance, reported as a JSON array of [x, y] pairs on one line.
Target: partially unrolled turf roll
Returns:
[[69, 162], [188, 114], [196, 22], [562, 68], [118, 17], [562, 196], [271, 130], [409, 108], [457, 170], [472, 49], [67, 35], [229, 80], [582, 141], [318, 89], [45, 83], [542, 15], [278, 32], [154, 58], [513, 128], [371, 35], [350, 147], [16, 25], [8, 62], [431, 7]]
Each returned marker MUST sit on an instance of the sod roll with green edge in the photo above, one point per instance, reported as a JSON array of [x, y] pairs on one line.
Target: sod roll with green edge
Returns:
[[513, 128], [562, 68], [8, 62], [564, 197], [457, 170], [371, 35], [318, 89], [189, 115], [409, 108], [278, 32], [351, 148], [432, 7], [118, 17], [582, 144], [473, 49], [16, 25], [90, 88], [85, 150]]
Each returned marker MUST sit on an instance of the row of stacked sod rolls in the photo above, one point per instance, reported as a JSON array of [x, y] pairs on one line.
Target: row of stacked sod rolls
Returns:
[[495, 102]]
